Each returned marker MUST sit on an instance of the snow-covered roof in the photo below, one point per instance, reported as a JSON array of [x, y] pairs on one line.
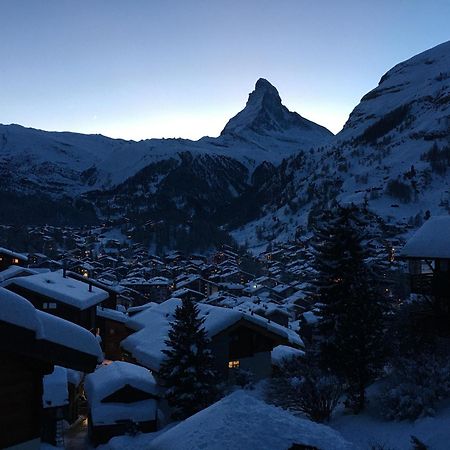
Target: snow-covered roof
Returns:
[[69, 335], [112, 314], [241, 421], [14, 271], [55, 392], [8, 252], [431, 240], [109, 378], [63, 289], [16, 310], [153, 324]]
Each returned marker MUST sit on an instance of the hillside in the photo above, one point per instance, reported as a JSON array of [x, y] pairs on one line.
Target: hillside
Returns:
[[393, 154]]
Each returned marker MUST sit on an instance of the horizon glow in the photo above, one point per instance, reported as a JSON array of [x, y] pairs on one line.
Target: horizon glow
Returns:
[[145, 69]]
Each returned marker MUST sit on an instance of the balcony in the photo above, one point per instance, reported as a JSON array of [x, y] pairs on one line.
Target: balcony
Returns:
[[437, 284]]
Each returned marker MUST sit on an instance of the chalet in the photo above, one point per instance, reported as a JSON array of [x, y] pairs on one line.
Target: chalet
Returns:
[[428, 256], [15, 271], [10, 258], [36, 259], [238, 339], [61, 296], [31, 344], [112, 330], [156, 289], [183, 293], [60, 402], [113, 291], [197, 283], [122, 399]]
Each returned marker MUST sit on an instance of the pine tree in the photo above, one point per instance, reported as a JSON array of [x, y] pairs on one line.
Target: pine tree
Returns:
[[188, 368], [351, 306]]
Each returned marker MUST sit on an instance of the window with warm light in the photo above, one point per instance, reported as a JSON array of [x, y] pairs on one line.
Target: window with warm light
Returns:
[[15, 261], [233, 364]]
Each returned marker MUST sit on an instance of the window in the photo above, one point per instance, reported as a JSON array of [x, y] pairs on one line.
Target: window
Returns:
[[15, 260], [49, 306], [233, 364]]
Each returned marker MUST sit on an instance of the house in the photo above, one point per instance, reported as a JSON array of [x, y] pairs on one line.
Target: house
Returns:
[[15, 271], [241, 421], [31, 344], [113, 291], [10, 258], [238, 340], [112, 330], [122, 398], [60, 402], [428, 256], [61, 296]]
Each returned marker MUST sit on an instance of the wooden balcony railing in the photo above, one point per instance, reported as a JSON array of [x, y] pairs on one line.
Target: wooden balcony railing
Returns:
[[437, 284]]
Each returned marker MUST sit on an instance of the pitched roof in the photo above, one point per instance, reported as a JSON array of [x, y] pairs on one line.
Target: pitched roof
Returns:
[[63, 289], [45, 329], [153, 324], [431, 240]]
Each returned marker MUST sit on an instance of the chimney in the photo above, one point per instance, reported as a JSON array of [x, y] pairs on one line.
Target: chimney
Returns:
[[90, 287]]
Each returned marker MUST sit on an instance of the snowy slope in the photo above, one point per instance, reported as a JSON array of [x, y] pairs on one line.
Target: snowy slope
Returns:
[[393, 154]]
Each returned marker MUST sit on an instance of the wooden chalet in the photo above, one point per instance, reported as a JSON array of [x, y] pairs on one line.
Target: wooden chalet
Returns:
[[112, 330], [238, 340], [123, 399], [10, 258], [59, 295], [428, 256], [31, 344]]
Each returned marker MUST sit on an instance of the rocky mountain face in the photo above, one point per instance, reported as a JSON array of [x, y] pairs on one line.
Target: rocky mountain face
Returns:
[[393, 155]]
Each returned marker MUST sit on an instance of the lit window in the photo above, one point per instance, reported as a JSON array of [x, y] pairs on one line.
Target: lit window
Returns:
[[233, 364], [15, 261]]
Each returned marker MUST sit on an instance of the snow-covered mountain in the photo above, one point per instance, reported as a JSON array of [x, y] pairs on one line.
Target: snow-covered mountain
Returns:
[[393, 154], [268, 172], [72, 163]]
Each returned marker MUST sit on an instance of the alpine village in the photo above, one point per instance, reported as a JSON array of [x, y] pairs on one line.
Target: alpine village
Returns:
[[277, 287]]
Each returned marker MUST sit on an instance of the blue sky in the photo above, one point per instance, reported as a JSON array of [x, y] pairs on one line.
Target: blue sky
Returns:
[[167, 68]]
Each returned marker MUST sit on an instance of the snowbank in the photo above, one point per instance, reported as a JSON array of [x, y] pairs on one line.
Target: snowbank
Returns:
[[240, 421]]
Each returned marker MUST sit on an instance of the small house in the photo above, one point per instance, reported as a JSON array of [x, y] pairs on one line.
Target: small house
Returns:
[[428, 256], [10, 258], [122, 399], [239, 340], [55, 293]]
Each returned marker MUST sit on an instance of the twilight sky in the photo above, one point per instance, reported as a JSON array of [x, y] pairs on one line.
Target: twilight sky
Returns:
[[181, 68]]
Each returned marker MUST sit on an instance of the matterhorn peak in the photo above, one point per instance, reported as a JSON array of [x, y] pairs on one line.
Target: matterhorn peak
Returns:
[[264, 114]]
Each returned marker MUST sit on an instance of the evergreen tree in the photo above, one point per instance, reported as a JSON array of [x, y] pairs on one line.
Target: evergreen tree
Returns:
[[351, 305], [188, 368]]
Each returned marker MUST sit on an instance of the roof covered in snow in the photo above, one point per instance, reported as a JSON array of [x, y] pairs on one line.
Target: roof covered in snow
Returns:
[[14, 271], [55, 392], [21, 256], [63, 289], [153, 324], [241, 421], [109, 378], [16, 310], [431, 240]]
